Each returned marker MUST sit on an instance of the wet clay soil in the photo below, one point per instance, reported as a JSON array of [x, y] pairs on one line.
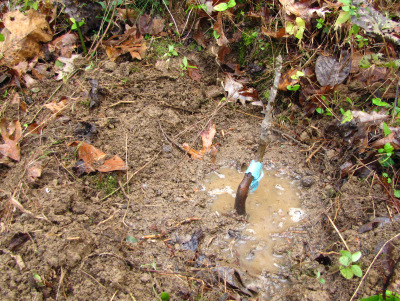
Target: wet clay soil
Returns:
[[158, 234]]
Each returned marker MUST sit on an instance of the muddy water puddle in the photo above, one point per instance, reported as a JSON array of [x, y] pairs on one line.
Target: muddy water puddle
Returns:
[[272, 209]]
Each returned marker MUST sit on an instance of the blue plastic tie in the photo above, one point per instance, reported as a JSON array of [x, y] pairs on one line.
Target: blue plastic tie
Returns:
[[255, 169]]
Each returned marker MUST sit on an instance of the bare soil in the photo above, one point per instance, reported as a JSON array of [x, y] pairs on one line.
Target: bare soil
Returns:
[[77, 236]]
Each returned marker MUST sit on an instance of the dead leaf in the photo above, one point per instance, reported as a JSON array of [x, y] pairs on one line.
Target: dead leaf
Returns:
[[89, 154], [222, 52], [127, 14], [34, 128], [373, 21], [64, 45], [287, 80], [331, 72], [56, 107], [146, 25], [238, 91], [115, 163], [23, 34], [130, 42], [200, 40], [207, 137], [281, 33], [68, 66], [373, 117], [34, 171], [93, 158], [222, 40], [194, 73], [392, 138], [11, 136], [40, 71], [303, 9]]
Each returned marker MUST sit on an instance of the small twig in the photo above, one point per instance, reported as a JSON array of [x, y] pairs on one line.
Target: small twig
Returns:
[[338, 232], [172, 17], [121, 102], [314, 152], [112, 297], [60, 282], [94, 279], [370, 266], [105, 31], [26, 211], [169, 139], [111, 217]]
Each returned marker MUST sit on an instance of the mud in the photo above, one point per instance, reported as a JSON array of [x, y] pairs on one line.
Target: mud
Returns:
[[156, 233]]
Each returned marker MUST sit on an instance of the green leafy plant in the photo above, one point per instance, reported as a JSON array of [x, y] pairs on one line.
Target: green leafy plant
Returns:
[[390, 296], [296, 29], [77, 26], [28, 4], [225, 6], [171, 51], [347, 267]]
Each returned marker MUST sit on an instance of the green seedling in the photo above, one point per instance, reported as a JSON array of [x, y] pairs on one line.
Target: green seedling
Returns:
[[293, 88], [198, 6], [347, 115], [320, 279], [131, 240], [387, 151], [164, 296], [296, 29], [297, 75], [185, 65], [225, 6], [320, 23], [378, 102], [38, 279], [171, 51], [348, 10], [347, 268], [390, 296], [77, 26], [361, 41], [216, 35], [386, 129]]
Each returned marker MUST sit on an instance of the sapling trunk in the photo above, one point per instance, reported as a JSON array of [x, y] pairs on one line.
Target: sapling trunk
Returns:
[[241, 194], [265, 139]]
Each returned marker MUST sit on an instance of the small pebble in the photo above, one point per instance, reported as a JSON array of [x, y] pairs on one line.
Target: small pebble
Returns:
[[307, 182]]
